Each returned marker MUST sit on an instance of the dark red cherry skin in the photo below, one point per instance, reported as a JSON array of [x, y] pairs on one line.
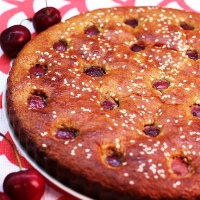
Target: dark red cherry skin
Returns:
[[38, 70], [60, 46], [94, 71], [192, 54], [45, 18], [114, 160], [66, 134], [110, 105], [161, 84], [137, 47], [186, 26], [151, 131], [92, 31], [37, 102], [195, 110], [25, 184], [13, 39], [4, 196], [131, 22]]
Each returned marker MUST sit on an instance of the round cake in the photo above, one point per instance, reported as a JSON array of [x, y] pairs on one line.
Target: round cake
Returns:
[[108, 103]]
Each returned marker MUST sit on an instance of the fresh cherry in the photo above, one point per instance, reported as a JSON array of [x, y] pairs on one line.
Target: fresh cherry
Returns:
[[45, 18], [26, 184], [13, 39], [4, 196]]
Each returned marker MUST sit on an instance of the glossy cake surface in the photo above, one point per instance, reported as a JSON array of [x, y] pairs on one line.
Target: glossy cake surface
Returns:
[[108, 102]]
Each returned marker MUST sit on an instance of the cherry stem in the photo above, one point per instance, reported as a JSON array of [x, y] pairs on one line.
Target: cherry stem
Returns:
[[14, 149], [29, 19], [47, 10]]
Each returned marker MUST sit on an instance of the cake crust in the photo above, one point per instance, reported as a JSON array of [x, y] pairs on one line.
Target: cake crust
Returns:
[[107, 102]]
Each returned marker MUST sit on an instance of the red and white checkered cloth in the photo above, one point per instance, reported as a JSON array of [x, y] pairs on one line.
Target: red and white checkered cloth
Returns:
[[14, 12]]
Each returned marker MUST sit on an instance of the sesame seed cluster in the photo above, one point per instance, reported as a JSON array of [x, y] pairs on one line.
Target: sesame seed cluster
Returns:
[[112, 97]]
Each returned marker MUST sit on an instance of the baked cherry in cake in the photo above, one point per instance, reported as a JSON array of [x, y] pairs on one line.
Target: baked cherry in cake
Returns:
[[37, 101], [192, 54], [161, 84], [60, 46], [180, 167], [92, 31], [131, 22], [38, 70]]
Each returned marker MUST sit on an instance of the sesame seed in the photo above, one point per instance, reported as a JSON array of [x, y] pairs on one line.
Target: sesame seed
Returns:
[[131, 182], [126, 174], [176, 184], [44, 145]]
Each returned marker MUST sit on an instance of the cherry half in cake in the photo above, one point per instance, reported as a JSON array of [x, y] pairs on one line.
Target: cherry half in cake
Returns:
[[192, 54], [94, 71], [66, 134], [180, 167], [60, 46], [131, 22], [195, 110], [137, 47], [109, 104], [92, 31], [37, 101], [186, 26], [161, 84], [38, 70], [151, 131], [113, 158]]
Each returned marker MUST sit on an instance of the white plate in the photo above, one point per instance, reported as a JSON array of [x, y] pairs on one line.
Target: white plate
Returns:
[[30, 160]]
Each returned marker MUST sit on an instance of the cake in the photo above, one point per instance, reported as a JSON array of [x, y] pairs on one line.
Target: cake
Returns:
[[108, 103]]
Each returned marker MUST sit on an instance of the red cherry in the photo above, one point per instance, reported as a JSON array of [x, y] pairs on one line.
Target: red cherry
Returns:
[[27, 185], [45, 18], [13, 39], [4, 196]]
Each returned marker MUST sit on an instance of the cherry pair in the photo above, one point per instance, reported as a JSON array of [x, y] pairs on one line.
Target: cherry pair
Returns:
[[14, 38]]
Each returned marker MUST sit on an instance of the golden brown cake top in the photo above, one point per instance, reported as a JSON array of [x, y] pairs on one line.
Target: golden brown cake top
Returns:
[[114, 95]]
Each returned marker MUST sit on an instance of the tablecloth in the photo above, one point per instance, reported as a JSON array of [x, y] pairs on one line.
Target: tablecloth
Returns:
[[14, 12]]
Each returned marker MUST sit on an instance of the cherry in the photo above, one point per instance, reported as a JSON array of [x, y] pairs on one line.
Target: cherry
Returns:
[[192, 54], [66, 134], [13, 39], [195, 110], [26, 184], [38, 70], [109, 104], [113, 158], [37, 101], [151, 131], [4, 196], [60, 46], [137, 47], [161, 84], [45, 18], [94, 71], [131, 22], [180, 167], [186, 26], [92, 31]]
